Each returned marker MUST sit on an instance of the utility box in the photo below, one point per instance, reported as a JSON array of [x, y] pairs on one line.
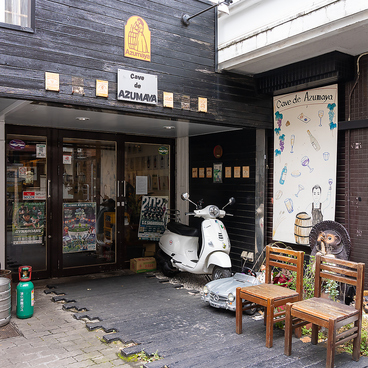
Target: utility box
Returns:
[[145, 264]]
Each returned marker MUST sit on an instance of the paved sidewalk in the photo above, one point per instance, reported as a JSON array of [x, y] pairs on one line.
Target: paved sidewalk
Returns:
[[161, 317], [54, 338], [152, 315]]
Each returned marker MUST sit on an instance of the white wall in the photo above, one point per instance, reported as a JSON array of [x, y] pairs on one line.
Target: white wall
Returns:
[[257, 29], [254, 16], [182, 176]]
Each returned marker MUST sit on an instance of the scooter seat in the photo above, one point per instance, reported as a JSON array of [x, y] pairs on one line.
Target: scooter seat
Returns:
[[181, 229]]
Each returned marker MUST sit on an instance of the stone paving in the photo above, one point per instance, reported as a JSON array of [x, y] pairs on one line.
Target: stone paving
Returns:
[[53, 338], [155, 316]]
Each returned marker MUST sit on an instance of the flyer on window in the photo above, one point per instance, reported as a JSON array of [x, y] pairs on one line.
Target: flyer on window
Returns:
[[152, 218], [79, 233], [28, 222]]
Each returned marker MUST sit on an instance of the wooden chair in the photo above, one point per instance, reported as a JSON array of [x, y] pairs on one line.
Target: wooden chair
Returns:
[[270, 295], [327, 313]]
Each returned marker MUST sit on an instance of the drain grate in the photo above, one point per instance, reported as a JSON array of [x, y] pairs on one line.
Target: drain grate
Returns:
[[9, 330]]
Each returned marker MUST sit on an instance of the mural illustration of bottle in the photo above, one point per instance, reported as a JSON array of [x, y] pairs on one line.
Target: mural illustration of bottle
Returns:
[[283, 174], [314, 141]]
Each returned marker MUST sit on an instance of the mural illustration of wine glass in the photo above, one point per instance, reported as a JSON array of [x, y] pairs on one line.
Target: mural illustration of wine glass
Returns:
[[292, 141], [300, 188], [305, 162], [330, 183], [320, 115]]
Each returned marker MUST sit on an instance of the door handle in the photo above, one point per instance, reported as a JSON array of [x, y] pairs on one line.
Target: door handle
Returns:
[[118, 194], [49, 188]]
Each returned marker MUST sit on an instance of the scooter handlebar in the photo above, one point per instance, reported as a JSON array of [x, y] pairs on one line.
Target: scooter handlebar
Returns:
[[189, 213]]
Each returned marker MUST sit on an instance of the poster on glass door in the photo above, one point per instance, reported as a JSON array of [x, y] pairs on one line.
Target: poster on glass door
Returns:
[[305, 157], [79, 227], [152, 218], [28, 222]]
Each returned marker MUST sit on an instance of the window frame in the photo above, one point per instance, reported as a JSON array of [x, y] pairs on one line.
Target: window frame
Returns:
[[30, 29]]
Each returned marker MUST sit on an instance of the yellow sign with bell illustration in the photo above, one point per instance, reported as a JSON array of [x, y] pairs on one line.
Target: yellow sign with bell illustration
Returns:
[[137, 39]]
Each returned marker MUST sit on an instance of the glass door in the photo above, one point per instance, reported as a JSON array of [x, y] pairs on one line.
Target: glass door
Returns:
[[89, 197], [82, 202], [26, 202], [147, 196]]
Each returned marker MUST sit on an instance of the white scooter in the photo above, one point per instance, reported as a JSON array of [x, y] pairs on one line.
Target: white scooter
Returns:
[[180, 244]]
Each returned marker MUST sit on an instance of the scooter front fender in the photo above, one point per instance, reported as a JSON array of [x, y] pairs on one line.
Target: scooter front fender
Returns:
[[221, 259]]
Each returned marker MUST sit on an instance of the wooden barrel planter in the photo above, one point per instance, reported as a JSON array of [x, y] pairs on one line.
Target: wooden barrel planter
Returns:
[[302, 228]]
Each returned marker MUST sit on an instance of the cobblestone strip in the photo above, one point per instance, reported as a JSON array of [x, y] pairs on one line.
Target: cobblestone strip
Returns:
[[53, 338]]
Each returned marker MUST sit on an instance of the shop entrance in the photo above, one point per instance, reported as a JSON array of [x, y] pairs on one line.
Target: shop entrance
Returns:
[[74, 199]]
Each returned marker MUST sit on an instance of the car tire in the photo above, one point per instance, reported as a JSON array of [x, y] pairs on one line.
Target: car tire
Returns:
[[250, 312], [220, 273]]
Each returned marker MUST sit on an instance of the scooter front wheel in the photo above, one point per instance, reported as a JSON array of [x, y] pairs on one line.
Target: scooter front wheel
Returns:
[[220, 273]]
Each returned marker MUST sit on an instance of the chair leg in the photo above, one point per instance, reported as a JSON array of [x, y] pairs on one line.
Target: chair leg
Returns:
[[288, 330], [238, 312], [314, 338], [357, 341], [331, 344], [269, 323], [265, 316], [298, 332]]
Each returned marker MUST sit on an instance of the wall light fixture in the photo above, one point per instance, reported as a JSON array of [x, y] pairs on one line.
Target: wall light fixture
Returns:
[[223, 6]]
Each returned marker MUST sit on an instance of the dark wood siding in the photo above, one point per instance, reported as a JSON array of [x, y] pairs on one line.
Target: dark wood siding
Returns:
[[85, 39], [353, 155], [238, 150]]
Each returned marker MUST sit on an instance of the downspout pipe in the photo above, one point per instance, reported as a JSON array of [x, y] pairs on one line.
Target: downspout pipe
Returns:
[[356, 81]]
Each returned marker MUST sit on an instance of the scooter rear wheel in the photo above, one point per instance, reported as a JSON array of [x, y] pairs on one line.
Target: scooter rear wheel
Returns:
[[164, 263], [220, 273]]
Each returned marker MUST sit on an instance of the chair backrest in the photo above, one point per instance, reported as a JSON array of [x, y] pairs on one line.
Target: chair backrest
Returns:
[[339, 270], [282, 258]]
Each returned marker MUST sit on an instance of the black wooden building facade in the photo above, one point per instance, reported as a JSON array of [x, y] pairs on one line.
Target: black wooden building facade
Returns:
[[83, 41]]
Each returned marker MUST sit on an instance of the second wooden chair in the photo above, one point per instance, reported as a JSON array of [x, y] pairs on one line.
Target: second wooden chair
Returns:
[[321, 311]]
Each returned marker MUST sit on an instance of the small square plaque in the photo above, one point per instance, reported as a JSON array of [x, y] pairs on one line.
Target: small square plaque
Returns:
[[168, 99], [202, 104], [52, 82], [245, 171], [102, 88]]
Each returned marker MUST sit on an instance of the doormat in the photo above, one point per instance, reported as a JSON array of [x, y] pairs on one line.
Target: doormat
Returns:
[[9, 330]]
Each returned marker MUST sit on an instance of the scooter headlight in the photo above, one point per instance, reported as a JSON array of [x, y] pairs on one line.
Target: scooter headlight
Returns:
[[214, 211], [230, 297], [205, 290]]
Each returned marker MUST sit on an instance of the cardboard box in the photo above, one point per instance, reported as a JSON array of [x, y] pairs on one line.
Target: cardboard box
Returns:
[[139, 265], [149, 250]]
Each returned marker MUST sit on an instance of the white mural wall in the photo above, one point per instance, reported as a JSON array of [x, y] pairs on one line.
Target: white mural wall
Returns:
[[305, 157]]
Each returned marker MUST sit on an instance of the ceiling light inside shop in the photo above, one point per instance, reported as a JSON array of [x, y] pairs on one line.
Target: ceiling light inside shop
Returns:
[[169, 127], [81, 118]]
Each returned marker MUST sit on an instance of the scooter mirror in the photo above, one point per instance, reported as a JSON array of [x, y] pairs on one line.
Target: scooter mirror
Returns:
[[231, 201], [185, 196]]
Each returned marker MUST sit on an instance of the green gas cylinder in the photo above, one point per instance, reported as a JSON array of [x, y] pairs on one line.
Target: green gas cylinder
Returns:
[[25, 293]]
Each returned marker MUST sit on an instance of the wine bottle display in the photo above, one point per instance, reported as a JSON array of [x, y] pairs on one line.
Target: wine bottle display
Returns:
[[314, 141], [283, 174]]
